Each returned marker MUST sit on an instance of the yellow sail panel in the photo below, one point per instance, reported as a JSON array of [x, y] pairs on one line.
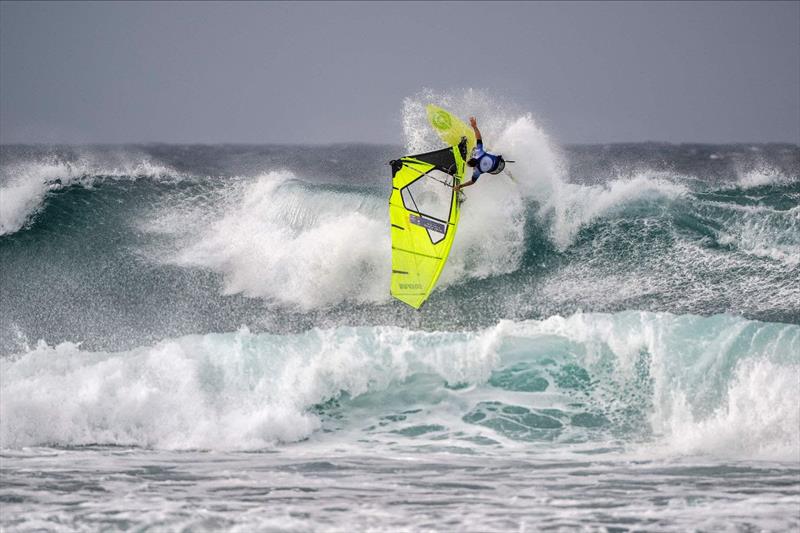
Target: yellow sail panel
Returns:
[[423, 212], [449, 127]]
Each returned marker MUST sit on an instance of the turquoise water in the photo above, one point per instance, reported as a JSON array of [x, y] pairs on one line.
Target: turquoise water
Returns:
[[201, 338]]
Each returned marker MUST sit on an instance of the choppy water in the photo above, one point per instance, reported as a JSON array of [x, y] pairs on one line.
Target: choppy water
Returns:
[[201, 337], [102, 488]]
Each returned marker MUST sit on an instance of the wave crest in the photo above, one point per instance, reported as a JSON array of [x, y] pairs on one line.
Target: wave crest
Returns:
[[24, 186]]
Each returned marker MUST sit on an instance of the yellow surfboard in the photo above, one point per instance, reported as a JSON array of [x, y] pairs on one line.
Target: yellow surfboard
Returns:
[[449, 127]]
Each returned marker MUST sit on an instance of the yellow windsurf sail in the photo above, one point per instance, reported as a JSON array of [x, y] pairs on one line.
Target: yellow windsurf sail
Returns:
[[449, 127], [423, 211]]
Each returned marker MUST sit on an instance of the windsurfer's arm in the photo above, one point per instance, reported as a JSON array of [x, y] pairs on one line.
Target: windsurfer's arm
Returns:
[[474, 124], [475, 175], [467, 184]]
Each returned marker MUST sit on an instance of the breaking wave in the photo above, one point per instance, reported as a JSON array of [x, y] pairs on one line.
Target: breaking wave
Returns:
[[675, 385]]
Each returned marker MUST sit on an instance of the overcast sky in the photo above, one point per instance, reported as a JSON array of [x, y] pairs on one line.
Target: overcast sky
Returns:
[[335, 72]]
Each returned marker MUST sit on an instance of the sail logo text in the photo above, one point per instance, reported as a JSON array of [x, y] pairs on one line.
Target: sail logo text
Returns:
[[427, 223]]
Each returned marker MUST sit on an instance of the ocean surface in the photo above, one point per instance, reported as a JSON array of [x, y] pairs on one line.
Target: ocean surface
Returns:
[[200, 337]]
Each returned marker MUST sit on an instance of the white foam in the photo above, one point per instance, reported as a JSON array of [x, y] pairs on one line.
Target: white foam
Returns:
[[763, 175], [231, 391], [278, 239], [759, 418]]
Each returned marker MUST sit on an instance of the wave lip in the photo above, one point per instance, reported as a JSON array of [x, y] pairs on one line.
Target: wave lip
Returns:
[[25, 186]]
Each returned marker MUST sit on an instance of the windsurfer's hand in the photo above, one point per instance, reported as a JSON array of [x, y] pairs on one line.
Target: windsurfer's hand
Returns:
[[473, 122]]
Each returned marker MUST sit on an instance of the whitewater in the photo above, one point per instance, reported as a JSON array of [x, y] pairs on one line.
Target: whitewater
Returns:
[[201, 337]]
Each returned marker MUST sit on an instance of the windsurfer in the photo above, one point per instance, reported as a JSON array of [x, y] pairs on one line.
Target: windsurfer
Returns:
[[481, 161]]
